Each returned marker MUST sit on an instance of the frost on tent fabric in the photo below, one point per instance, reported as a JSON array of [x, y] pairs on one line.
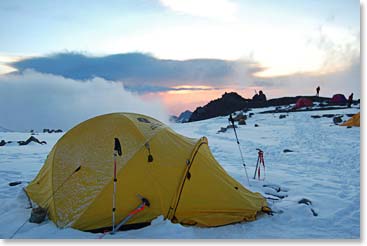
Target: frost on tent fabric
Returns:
[[176, 174]]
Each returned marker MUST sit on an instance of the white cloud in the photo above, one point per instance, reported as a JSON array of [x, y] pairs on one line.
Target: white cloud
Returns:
[[280, 50], [219, 9], [4, 60], [34, 100]]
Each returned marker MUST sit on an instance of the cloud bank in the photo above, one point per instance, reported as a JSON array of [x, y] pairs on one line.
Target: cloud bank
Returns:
[[181, 84], [142, 72], [32, 100]]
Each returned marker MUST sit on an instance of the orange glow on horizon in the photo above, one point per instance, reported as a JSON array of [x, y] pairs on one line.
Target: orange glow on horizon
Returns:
[[185, 89], [179, 101]]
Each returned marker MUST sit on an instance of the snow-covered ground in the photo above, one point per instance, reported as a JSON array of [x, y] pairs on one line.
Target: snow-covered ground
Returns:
[[324, 168]]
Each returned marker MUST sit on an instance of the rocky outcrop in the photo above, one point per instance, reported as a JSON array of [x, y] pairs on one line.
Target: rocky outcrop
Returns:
[[227, 104], [31, 139], [231, 102], [51, 130], [184, 116]]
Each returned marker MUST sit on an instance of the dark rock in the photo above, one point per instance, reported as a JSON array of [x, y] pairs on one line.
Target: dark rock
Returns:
[[38, 215], [2, 142], [305, 201], [51, 131], [31, 139], [240, 116], [184, 116], [337, 120], [282, 116], [308, 203], [272, 198], [349, 126], [314, 213], [227, 104], [350, 115], [287, 151], [250, 115], [242, 122], [256, 125], [315, 116], [15, 183], [328, 115], [222, 129]]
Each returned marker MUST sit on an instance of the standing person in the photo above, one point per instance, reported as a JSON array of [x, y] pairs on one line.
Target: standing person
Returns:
[[350, 100], [317, 91], [262, 96]]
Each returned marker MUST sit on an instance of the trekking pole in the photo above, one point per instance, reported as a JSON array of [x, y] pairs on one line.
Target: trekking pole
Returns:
[[116, 151], [141, 207], [239, 147], [144, 203]]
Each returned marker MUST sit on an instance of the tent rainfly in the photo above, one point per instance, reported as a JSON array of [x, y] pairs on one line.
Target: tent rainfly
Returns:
[[178, 175], [353, 121], [303, 102]]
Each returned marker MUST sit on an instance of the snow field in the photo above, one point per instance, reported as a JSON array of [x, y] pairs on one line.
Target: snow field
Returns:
[[323, 167]]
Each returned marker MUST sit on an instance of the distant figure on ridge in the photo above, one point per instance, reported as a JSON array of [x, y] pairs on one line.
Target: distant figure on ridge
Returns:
[[350, 100], [259, 97], [262, 96], [318, 91]]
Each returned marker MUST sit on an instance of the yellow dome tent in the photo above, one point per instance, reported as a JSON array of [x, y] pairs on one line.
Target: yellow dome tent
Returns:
[[178, 175], [354, 121]]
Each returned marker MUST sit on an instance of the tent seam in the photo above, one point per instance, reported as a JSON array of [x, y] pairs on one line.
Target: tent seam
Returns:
[[178, 196]]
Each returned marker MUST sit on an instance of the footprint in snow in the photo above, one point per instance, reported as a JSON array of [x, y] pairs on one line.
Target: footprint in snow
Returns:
[[275, 192], [308, 203]]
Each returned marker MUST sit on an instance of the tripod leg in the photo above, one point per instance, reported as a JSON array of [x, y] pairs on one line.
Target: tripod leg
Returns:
[[257, 165]]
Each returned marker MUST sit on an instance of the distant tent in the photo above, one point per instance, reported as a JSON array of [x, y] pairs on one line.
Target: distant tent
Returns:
[[303, 102], [338, 99], [178, 175], [354, 121]]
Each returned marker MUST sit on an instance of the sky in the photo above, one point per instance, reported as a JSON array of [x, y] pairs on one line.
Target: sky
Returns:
[[185, 53]]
